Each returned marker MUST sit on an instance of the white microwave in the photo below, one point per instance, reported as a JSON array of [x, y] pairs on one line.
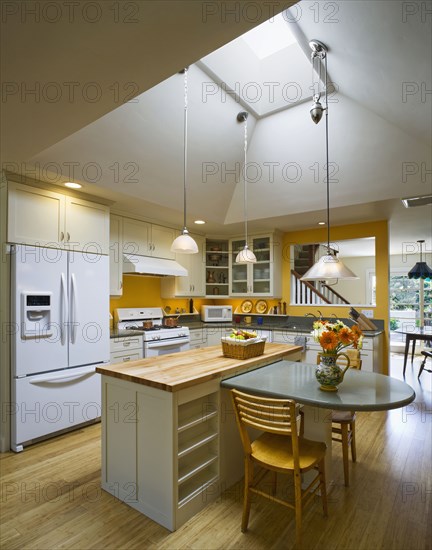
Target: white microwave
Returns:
[[216, 314]]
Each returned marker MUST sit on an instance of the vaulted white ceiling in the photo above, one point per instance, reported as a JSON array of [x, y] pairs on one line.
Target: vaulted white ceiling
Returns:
[[379, 122]]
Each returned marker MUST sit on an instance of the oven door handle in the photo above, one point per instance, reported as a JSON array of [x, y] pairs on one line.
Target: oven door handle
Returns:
[[152, 344]]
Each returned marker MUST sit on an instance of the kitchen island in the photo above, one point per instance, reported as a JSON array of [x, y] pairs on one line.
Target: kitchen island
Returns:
[[170, 443]]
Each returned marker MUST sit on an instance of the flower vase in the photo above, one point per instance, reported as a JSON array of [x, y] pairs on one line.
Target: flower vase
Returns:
[[328, 373]]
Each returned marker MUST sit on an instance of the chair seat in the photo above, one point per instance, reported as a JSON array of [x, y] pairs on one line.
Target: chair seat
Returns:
[[343, 416], [275, 450]]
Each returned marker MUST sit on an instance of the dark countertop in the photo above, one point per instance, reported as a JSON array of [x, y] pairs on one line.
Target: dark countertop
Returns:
[[280, 325], [301, 329], [115, 333]]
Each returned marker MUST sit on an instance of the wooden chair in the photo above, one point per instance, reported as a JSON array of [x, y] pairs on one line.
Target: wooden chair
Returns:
[[426, 354], [343, 422], [279, 449]]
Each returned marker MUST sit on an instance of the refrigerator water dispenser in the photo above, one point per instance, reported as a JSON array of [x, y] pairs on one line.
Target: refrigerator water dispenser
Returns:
[[36, 315]]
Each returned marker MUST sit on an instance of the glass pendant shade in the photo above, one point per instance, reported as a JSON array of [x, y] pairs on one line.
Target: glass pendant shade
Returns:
[[184, 244], [245, 256], [328, 267]]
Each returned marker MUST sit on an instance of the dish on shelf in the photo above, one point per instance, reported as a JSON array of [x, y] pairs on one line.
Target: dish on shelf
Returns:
[[261, 306], [246, 306]]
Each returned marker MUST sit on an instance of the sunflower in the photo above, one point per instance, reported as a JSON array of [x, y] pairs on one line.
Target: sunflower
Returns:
[[328, 341]]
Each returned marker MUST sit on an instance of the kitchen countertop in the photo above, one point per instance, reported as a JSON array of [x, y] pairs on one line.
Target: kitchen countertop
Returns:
[[124, 333], [184, 369], [302, 329]]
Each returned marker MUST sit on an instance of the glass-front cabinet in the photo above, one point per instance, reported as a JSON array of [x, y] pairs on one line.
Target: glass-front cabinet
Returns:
[[260, 278], [217, 268]]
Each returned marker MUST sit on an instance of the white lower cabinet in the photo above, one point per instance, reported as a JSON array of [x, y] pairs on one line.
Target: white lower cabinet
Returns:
[[215, 333], [198, 338], [123, 349], [160, 449], [371, 352]]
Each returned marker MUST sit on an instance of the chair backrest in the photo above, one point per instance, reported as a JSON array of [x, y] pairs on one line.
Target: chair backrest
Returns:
[[354, 357], [278, 416]]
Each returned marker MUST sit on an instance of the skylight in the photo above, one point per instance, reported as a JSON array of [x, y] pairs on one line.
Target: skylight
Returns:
[[270, 37]]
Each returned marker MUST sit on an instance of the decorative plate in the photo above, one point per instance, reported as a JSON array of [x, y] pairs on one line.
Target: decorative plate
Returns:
[[246, 306], [261, 306]]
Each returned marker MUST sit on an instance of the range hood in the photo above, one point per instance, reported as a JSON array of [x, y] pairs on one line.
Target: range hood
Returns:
[[157, 267]]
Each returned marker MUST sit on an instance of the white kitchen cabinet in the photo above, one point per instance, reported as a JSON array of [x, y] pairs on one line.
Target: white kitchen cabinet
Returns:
[[193, 284], [127, 348], [87, 225], [147, 239], [116, 256], [47, 218], [262, 278], [215, 333], [217, 274], [163, 468], [198, 338]]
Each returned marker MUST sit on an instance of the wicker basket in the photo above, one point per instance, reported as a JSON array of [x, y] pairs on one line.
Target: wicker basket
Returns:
[[242, 351]]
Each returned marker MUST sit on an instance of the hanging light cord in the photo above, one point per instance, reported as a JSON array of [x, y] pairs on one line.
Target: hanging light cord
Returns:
[[185, 120], [245, 181], [327, 159]]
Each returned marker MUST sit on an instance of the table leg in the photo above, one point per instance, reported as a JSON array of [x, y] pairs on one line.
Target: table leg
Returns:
[[407, 343], [413, 350], [318, 427]]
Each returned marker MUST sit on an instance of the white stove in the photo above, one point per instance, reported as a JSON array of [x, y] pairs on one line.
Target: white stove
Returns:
[[159, 339]]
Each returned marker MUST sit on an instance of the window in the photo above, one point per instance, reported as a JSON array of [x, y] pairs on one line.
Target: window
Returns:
[[410, 302]]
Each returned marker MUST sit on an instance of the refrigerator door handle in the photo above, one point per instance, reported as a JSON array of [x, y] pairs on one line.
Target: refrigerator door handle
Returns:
[[73, 309], [64, 309], [71, 376]]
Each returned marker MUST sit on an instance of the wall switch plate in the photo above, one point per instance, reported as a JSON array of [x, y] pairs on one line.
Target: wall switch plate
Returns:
[[367, 313]]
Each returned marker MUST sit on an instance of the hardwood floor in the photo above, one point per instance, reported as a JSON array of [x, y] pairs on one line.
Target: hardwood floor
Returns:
[[51, 496]]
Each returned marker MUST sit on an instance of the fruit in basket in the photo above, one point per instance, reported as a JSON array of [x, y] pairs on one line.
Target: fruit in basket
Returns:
[[242, 334]]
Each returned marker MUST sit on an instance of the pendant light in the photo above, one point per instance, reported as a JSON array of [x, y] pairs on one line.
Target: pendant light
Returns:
[[421, 270], [184, 244], [328, 266], [245, 256]]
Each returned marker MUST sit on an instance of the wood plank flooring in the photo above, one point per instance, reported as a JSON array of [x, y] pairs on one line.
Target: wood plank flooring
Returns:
[[51, 496]]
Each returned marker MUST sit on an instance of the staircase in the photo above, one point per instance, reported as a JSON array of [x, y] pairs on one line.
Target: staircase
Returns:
[[304, 257], [313, 292]]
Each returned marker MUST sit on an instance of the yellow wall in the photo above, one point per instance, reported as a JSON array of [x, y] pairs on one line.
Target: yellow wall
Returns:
[[379, 230], [141, 291]]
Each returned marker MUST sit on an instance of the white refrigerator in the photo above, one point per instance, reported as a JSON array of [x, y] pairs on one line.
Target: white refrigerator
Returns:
[[60, 325]]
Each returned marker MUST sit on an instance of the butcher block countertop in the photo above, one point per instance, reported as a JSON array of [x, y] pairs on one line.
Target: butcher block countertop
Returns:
[[184, 369]]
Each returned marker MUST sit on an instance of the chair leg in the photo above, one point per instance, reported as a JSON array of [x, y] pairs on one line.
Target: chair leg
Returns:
[[353, 442], [248, 480], [274, 483], [344, 433], [422, 366], [323, 486], [298, 508]]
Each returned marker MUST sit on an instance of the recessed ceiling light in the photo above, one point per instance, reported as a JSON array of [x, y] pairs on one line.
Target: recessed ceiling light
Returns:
[[73, 185], [321, 223], [199, 222]]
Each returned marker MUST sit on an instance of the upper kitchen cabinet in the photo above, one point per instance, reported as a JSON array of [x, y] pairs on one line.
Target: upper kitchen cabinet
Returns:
[[46, 218], [262, 278], [116, 258], [217, 273], [193, 284], [147, 239]]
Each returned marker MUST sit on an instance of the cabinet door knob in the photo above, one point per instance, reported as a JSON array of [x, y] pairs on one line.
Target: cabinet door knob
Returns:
[[61, 235], [68, 236]]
